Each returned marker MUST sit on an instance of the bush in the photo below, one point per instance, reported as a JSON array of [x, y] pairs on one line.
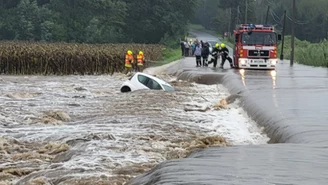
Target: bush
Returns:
[[67, 58], [314, 54]]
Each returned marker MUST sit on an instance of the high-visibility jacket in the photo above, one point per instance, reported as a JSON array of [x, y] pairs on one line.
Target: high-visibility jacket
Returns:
[[128, 60], [140, 59]]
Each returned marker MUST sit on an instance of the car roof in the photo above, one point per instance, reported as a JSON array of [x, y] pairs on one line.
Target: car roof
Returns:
[[153, 77]]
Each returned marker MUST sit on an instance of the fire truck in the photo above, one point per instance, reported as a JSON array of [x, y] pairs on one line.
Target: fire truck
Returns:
[[255, 46]]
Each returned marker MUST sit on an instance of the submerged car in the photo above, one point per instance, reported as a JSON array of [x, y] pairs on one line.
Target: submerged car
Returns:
[[141, 81]]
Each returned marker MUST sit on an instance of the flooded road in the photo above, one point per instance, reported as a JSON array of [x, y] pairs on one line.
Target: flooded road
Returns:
[[297, 95], [82, 130], [290, 103]]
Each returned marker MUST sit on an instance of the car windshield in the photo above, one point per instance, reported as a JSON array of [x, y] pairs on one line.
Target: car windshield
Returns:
[[262, 38], [131, 76], [168, 88]]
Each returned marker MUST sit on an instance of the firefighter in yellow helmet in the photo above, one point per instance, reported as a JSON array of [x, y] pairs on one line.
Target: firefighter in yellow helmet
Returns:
[[129, 60], [215, 53], [225, 55], [140, 61]]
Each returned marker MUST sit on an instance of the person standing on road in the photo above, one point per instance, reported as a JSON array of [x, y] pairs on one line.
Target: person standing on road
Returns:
[[140, 61], [187, 48], [129, 60], [182, 45], [215, 53], [225, 55], [205, 53], [193, 48], [198, 54]]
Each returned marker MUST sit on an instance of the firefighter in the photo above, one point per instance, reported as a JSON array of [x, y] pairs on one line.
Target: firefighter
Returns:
[[129, 60], [225, 55], [140, 61], [215, 54]]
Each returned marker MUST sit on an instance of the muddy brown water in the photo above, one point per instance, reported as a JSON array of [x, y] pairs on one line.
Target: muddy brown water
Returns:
[[82, 130], [291, 103]]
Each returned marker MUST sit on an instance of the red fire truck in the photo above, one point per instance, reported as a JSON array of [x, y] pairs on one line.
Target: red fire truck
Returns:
[[255, 46]]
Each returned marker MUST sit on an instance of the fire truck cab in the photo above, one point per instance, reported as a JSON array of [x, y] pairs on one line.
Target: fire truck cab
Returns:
[[255, 47]]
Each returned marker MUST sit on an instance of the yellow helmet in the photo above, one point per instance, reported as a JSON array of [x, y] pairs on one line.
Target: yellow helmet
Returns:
[[217, 45], [222, 45], [190, 40], [129, 52], [140, 53]]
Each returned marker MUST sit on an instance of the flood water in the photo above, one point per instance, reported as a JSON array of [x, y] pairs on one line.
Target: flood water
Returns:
[[290, 103], [82, 130]]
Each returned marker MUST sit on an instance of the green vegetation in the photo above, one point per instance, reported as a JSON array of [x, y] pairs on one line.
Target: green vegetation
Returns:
[[196, 27], [94, 22], [314, 54], [169, 55]]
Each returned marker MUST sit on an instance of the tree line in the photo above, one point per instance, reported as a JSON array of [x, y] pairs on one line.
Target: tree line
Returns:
[[223, 15], [95, 21]]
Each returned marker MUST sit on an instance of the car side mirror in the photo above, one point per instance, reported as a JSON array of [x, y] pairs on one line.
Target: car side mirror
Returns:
[[279, 36]]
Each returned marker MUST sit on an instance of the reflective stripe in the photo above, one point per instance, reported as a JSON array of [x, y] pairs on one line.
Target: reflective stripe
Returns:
[[128, 60], [140, 59]]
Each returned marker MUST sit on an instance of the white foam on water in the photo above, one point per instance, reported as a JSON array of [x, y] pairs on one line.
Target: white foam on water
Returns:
[[117, 128]]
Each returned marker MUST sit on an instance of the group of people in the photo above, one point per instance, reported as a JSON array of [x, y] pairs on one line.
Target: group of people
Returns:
[[201, 51], [131, 65], [188, 48]]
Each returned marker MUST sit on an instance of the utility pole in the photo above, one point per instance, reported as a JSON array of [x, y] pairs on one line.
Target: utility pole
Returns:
[[230, 20], [267, 15], [293, 36], [283, 37], [238, 12], [204, 14], [246, 8]]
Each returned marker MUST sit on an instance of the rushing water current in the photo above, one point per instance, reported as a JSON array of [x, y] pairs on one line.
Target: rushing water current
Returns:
[[82, 130]]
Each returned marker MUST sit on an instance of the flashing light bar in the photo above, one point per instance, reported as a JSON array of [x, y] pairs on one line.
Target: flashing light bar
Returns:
[[255, 26]]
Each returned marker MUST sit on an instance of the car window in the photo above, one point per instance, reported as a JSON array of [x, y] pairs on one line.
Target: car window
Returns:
[[152, 84], [143, 79], [168, 88]]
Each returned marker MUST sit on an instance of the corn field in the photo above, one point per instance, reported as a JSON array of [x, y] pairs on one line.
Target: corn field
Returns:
[[29, 58]]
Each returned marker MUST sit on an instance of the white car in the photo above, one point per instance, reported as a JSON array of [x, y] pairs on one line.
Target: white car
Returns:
[[141, 81]]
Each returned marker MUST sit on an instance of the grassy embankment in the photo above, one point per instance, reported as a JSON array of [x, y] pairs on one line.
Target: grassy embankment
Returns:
[[168, 55], [313, 54], [172, 53]]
